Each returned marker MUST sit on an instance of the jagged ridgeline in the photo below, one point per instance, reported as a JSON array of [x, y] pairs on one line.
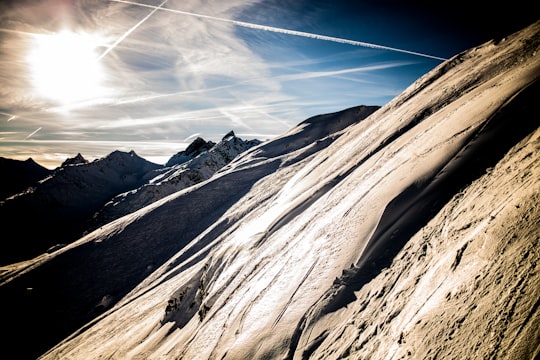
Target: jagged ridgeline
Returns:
[[403, 232]]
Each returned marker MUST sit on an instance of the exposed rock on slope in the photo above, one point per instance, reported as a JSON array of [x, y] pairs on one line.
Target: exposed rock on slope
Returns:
[[76, 160], [198, 146]]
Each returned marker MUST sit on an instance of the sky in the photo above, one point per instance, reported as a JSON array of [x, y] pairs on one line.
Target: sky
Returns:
[[94, 76]]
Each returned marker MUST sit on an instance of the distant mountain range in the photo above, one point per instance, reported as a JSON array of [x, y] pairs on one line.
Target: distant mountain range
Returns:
[[409, 231], [79, 196]]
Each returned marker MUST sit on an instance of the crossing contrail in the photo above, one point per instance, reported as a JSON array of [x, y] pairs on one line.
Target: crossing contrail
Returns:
[[282, 30], [126, 34]]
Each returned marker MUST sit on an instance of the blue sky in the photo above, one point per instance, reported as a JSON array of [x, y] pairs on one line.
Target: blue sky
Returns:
[[94, 76]]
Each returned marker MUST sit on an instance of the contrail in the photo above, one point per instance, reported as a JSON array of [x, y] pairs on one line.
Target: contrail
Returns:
[[316, 74], [10, 116], [126, 34], [33, 133], [284, 31]]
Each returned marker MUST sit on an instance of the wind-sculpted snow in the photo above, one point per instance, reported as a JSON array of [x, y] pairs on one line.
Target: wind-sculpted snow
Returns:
[[409, 232], [60, 292], [465, 286]]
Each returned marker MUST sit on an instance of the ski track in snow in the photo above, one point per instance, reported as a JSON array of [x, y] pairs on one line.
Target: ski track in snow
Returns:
[[280, 315]]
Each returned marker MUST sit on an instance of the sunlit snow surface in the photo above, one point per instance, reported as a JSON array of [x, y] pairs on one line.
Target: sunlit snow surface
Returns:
[[400, 235]]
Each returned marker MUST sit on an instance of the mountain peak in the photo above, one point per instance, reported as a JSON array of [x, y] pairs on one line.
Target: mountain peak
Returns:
[[197, 147], [119, 155], [18, 175], [228, 135], [76, 160]]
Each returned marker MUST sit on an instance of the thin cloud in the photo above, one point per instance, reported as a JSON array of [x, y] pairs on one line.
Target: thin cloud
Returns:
[[287, 31], [10, 117], [143, 98], [19, 32], [292, 77]]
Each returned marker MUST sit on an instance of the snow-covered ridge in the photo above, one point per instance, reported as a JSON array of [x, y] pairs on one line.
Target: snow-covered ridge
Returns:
[[405, 232]]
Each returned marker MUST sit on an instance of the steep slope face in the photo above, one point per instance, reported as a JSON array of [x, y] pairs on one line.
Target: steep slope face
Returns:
[[197, 163], [464, 287], [385, 243], [59, 292]]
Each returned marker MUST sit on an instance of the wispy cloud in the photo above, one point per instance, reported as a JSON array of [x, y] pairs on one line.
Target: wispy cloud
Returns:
[[173, 74], [286, 31]]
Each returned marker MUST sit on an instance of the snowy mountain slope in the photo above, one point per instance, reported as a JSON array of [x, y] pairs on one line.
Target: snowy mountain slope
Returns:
[[78, 282], [465, 286], [197, 163], [413, 231], [401, 234]]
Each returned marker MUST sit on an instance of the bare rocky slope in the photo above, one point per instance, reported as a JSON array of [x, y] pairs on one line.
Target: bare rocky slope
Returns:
[[405, 232]]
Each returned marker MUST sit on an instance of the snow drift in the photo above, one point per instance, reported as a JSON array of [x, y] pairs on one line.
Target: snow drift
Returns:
[[410, 231]]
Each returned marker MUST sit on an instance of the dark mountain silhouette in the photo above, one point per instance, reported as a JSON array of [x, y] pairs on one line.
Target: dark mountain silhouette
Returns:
[[18, 175]]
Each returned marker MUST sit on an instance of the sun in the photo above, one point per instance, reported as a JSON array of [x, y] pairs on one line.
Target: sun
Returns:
[[65, 67]]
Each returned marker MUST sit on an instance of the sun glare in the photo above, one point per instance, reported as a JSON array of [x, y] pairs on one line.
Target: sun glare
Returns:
[[65, 67]]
